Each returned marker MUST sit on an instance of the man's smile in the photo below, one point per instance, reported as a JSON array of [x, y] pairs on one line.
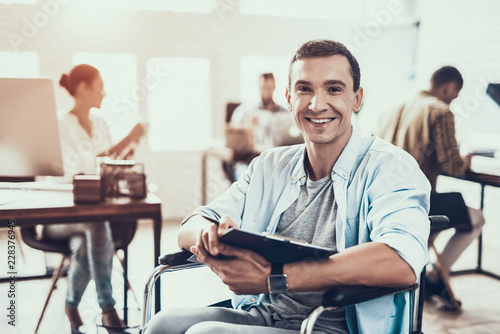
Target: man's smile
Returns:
[[319, 120]]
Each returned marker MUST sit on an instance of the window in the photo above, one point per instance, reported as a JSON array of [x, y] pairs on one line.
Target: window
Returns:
[[386, 77], [252, 66], [180, 115], [317, 9], [120, 106], [19, 65]]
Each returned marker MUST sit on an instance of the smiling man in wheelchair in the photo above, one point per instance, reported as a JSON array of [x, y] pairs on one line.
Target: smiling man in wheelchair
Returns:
[[358, 195]]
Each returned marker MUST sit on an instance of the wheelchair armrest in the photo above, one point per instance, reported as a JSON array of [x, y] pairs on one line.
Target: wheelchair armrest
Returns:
[[176, 258], [345, 295], [439, 222]]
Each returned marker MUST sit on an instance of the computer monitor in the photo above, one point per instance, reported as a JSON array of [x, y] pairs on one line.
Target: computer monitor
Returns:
[[493, 90], [29, 134], [487, 116], [484, 135]]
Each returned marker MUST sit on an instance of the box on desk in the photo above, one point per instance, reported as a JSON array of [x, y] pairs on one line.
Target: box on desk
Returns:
[[123, 178], [239, 139], [87, 188], [117, 178]]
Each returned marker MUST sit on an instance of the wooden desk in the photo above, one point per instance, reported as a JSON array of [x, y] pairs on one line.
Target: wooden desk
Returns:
[[32, 207], [484, 180]]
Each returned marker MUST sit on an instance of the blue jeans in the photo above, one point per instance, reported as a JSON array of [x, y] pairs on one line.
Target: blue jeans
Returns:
[[92, 250]]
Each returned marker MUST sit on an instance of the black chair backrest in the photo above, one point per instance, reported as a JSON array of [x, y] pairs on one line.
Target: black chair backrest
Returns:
[[123, 233], [230, 107], [453, 206], [34, 240]]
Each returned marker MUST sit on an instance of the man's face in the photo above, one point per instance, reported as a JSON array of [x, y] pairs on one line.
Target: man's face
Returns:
[[266, 88], [322, 99], [452, 91]]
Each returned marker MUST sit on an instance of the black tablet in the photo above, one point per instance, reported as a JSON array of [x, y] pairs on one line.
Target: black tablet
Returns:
[[275, 248]]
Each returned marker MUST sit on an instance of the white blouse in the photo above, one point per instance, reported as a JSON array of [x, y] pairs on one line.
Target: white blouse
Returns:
[[78, 149]]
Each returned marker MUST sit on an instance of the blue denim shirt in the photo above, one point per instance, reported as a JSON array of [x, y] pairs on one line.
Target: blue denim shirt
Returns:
[[381, 195]]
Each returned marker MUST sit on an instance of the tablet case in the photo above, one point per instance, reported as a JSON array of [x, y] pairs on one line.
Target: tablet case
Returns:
[[275, 248]]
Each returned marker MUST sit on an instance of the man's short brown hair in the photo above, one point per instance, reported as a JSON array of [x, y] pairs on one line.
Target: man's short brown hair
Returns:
[[447, 74], [326, 48]]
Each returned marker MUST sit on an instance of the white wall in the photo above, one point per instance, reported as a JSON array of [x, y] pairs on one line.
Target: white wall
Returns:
[[223, 39], [462, 33]]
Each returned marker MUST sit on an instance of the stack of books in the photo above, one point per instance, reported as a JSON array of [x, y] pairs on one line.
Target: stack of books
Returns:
[[87, 189]]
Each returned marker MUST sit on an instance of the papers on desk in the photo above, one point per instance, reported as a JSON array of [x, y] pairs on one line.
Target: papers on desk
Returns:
[[483, 144], [485, 165], [11, 190], [6, 199], [486, 150], [37, 185], [489, 153]]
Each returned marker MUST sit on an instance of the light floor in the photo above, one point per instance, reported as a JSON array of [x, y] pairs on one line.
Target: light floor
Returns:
[[479, 294]]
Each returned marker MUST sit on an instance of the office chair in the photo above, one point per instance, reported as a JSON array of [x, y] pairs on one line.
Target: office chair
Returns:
[[123, 233], [340, 296], [230, 108], [228, 166], [452, 205], [244, 155]]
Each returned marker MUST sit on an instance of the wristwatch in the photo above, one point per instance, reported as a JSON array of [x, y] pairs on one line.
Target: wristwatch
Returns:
[[276, 282]]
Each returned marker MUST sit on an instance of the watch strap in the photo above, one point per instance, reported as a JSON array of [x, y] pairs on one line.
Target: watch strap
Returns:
[[276, 268], [277, 280]]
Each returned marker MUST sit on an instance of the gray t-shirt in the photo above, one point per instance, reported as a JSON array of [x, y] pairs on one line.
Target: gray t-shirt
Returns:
[[310, 218]]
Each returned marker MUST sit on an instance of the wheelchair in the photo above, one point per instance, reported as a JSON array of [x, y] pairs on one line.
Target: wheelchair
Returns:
[[339, 296]]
